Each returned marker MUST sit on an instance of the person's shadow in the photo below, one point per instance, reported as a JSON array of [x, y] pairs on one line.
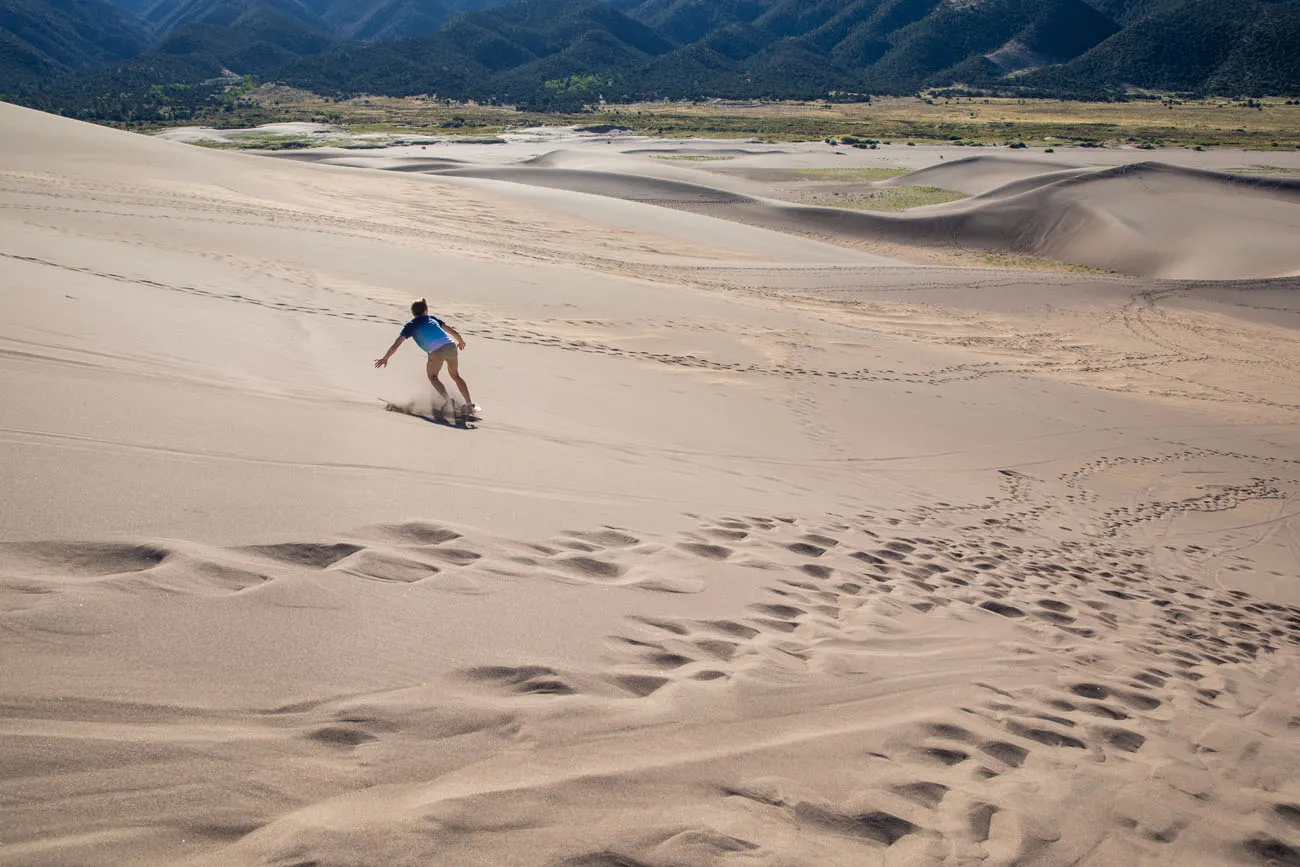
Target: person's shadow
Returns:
[[456, 422]]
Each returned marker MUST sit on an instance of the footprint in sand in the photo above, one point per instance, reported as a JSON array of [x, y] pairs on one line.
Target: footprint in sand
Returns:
[[522, 679], [81, 559], [416, 533], [386, 567], [311, 555], [705, 550], [607, 537], [342, 735]]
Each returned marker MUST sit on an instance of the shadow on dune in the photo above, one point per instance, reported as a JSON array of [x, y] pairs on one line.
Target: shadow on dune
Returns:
[[711, 152], [400, 164], [1144, 219], [425, 164], [982, 173]]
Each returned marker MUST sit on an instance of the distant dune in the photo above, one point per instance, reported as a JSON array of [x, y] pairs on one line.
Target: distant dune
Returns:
[[981, 174], [1144, 219]]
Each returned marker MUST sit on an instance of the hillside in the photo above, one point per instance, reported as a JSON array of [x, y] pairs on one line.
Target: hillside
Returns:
[[784, 48], [41, 38], [743, 49], [564, 54], [514, 50], [1220, 46], [252, 37], [766, 49], [360, 20]]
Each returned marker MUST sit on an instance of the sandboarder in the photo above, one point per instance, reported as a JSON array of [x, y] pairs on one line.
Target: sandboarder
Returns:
[[443, 343]]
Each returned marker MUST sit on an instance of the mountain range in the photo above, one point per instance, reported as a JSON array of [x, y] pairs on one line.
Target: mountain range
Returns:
[[565, 53]]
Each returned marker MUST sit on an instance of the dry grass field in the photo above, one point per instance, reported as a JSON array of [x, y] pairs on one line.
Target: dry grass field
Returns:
[[1155, 123], [1170, 122]]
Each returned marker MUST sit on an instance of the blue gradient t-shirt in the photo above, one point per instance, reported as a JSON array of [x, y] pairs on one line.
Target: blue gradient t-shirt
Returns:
[[428, 333]]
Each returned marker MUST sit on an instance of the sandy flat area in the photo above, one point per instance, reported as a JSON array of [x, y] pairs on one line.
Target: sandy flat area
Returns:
[[790, 534]]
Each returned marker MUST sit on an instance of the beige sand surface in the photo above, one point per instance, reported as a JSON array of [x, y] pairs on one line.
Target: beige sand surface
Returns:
[[1199, 215], [773, 547]]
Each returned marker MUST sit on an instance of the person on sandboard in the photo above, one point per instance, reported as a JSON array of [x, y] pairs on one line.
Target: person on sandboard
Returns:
[[443, 343]]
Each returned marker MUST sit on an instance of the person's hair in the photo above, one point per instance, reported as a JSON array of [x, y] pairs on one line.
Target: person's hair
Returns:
[[419, 308]]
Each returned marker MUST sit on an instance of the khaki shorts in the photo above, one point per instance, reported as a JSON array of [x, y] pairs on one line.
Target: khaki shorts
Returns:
[[445, 352]]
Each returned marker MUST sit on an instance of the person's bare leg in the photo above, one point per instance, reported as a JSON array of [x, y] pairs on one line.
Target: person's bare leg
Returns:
[[433, 368], [453, 370]]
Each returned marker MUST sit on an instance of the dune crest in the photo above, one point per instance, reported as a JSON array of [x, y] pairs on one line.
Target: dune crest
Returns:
[[981, 174], [1147, 219]]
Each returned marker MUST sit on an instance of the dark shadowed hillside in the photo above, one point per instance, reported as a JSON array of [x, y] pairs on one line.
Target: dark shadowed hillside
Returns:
[[1221, 46], [995, 38], [564, 54], [799, 49], [44, 38], [361, 20], [251, 37]]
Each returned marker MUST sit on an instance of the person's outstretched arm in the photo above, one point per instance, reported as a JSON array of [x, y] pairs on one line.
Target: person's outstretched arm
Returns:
[[455, 335], [383, 362]]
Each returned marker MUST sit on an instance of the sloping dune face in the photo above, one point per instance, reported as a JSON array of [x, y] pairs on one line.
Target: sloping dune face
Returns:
[[1144, 219], [1147, 219], [976, 175], [763, 551]]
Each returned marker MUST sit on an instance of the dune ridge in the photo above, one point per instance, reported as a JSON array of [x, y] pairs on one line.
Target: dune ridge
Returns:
[[1130, 219], [982, 174]]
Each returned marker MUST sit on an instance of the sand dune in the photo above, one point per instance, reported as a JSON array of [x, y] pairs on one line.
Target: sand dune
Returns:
[[1016, 187], [1139, 218], [1153, 220], [1145, 219], [640, 165], [714, 152], [400, 164], [635, 188], [766, 550], [982, 174]]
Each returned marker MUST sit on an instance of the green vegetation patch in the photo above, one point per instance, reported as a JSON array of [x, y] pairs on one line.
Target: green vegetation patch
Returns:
[[956, 121], [979, 122], [266, 143], [584, 85], [851, 175], [888, 198], [1026, 262], [698, 158], [1264, 170]]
